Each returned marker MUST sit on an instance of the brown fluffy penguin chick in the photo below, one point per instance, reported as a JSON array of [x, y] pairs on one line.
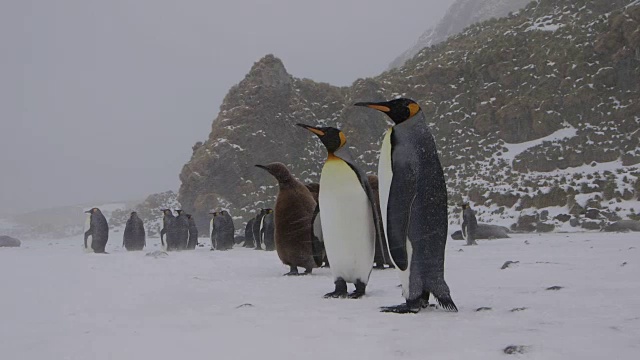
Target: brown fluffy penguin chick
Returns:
[[293, 220]]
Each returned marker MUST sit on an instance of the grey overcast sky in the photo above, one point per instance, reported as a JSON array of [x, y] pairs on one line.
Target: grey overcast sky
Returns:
[[102, 100]]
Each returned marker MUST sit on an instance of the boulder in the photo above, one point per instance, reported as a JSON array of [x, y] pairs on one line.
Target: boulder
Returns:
[[8, 241], [485, 231], [623, 226]]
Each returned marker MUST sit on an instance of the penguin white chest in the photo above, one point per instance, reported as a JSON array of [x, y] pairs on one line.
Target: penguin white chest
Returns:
[[87, 225], [385, 176], [347, 222]]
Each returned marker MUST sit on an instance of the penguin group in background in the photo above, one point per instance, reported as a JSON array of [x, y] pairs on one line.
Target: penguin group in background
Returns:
[[381, 257], [98, 230], [349, 215], [413, 202], [169, 236], [134, 237], [222, 231], [193, 233], [293, 227], [267, 231], [182, 230], [469, 224], [257, 226], [248, 234]]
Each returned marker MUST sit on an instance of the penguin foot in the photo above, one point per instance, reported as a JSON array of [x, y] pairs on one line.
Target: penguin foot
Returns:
[[401, 309], [340, 291], [336, 295], [293, 271], [360, 289], [409, 307]]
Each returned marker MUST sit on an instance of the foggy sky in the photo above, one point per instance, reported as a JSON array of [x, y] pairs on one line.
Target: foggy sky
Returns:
[[102, 100]]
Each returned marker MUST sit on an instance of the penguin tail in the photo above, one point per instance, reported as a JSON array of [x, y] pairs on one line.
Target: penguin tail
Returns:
[[447, 303]]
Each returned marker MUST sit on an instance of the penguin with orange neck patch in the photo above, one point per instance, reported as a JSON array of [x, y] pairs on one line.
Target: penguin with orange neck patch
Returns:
[[347, 207], [413, 202]]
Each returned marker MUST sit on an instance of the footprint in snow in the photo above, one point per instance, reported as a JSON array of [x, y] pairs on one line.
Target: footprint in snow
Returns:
[[515, 349], [555, 287]]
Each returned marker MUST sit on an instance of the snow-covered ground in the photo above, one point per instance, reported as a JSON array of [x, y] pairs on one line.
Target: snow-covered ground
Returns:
[[58, 302]]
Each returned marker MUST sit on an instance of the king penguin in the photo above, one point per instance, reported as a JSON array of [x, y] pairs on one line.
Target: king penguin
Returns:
[[134, 237], [347, 207], [98, 230], [413, 202]]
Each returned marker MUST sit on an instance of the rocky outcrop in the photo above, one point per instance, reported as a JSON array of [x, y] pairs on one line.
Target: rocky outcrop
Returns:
[[460, 15], [8, 241], [532, 111]]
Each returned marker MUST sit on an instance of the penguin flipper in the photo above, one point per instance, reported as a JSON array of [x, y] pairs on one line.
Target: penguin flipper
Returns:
[[317, 246], [401, 196]]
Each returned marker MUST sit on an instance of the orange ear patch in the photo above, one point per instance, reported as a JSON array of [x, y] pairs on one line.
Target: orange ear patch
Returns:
[[343, 139], [413, 109]]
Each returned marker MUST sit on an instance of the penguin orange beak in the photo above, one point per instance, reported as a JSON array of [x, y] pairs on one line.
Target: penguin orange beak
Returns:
[[313, 129], [378, 106]]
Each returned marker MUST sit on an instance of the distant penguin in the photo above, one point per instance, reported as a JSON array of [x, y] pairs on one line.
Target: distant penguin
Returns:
[[267, 231], [193, 233], [248, 234], [134, 237], [292, 216], [169, 236], [222, 231], [413, 202], [98, 230], [257, 224], [349, 215], [469, 224], [382, 256], [182, 224], [229, 230]]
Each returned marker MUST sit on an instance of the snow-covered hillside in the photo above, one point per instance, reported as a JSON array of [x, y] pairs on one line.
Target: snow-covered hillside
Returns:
[[237, 305]]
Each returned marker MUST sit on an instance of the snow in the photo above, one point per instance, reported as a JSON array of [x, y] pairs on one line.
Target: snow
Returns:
[[66, 304], [515, 149]]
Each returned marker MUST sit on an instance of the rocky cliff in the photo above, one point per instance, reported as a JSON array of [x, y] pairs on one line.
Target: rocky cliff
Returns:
[[460, 15], [539, 110]]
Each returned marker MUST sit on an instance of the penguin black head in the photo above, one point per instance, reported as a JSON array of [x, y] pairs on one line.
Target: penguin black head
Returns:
[[133, 214], [188, 216], [332, 138], [279, 171], [179, 212], [214, 213], [398, 110], [92, 211]]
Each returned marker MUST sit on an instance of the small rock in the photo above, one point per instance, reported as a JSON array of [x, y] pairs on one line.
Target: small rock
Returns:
[[526, 242], [157, 254], [460, 250], [244, 305], [555, 287], [484, 308], [623, 264], [518, 309], [515, 349], [507, 263]]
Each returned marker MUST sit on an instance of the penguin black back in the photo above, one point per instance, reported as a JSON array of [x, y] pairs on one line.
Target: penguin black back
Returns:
[[134, 237]]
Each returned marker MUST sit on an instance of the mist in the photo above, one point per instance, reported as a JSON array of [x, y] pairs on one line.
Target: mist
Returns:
[[102, 101]]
